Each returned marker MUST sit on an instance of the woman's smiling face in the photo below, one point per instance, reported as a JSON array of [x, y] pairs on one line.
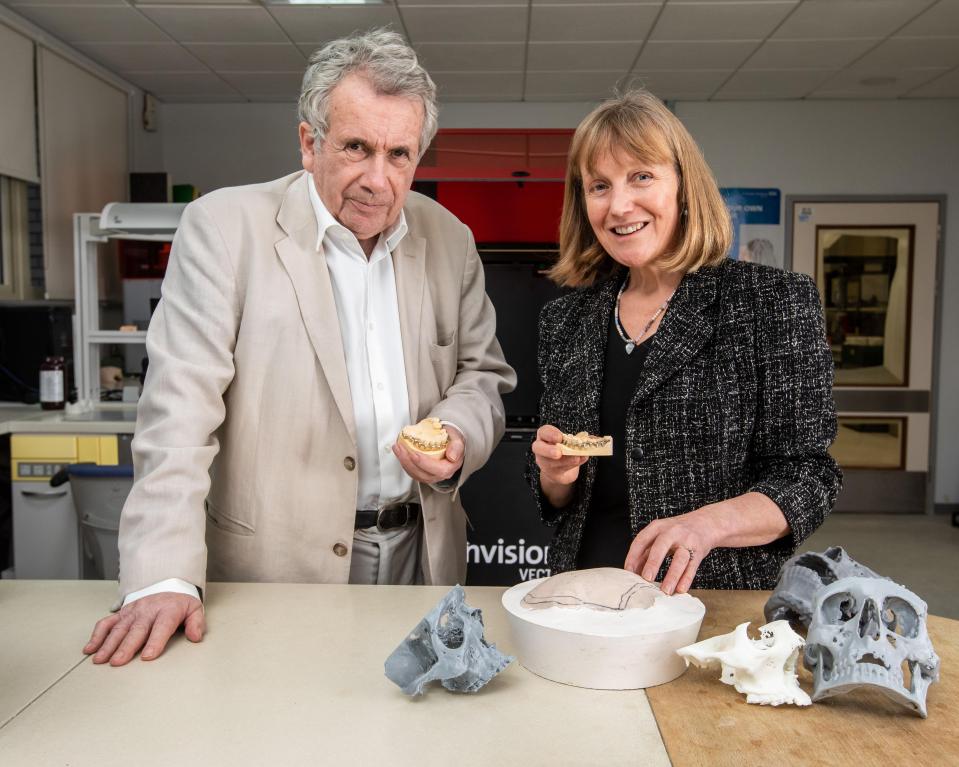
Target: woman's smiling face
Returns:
[[632, 206]]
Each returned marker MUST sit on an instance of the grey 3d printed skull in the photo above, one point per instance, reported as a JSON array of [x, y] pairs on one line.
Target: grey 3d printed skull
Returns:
[[447, 645], [803, 575], [871, 632]]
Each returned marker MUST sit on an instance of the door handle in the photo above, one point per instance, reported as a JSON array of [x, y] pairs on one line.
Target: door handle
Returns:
[[41, 494]]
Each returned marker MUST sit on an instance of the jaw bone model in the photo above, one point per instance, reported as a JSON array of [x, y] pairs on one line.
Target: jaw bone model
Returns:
[[764, 668], [868, 632], [803, 575]]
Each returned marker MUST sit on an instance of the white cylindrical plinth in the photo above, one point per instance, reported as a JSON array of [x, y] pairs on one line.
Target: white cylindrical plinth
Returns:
[[604, 650]]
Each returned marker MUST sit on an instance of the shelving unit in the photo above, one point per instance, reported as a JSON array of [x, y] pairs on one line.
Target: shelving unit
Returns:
[[155, 222]]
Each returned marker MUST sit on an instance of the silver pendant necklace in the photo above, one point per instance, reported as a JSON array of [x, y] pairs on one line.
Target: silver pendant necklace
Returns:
[[632, 343]]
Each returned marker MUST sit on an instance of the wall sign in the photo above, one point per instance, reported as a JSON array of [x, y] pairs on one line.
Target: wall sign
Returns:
[[757, 226]]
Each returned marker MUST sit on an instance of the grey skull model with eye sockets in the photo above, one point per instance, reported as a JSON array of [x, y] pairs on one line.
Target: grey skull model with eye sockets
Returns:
[[448, 645], [803, 575], [871, 632]]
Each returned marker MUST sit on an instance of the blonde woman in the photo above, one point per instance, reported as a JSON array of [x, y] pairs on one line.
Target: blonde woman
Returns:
[[713, 376]]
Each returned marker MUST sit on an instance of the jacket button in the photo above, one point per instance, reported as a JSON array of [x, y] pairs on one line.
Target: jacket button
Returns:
[[339, 549], [636, 453], [349, 463]]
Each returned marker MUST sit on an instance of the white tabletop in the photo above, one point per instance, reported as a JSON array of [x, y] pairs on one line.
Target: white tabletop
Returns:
[[43, 626], [293, 674]]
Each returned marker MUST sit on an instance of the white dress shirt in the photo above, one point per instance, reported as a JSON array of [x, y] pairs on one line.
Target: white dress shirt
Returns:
[[369, 315]]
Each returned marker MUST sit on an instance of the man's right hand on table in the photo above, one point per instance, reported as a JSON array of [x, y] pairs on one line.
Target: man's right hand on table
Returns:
[[148, 623]]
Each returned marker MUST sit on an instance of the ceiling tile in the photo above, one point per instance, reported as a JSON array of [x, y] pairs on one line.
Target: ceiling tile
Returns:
[[592, 21], [144, 3], [666, 84], [93, 23], [466, 57], [404, 4], [328, 22], [941, 19], [282, 85], [772, 83], [143, 57], [942, 87], [444, 24], [914, 52], [164, 84], [809, 54], [573, 84], [652, 3], [223, 24], [870, 82], [499, 86], [720, 20], [848, 18], [250, 57], [562, 56], [702, 54], [14, 3], [194, 98]]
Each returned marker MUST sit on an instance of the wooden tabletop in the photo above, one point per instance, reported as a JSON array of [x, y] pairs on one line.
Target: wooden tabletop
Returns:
[[293, 674], [705, 722]]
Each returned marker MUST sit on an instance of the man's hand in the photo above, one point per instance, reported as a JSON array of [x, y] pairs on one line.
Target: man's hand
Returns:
[[428, 470], [149, 621]]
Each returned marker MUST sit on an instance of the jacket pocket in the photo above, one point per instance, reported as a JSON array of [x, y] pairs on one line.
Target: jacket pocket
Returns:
[[227, 523], [443, 357]]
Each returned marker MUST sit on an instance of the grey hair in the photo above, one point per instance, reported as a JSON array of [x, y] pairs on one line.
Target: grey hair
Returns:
[[385, 60]]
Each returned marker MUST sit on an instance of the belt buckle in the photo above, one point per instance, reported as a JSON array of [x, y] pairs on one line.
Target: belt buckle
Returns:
[[381, 512]]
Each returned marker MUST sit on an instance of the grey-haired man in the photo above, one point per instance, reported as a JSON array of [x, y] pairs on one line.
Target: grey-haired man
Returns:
[[303, 323]]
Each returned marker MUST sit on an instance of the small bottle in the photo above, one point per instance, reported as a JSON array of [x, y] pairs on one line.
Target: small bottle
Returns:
[[51, 384]]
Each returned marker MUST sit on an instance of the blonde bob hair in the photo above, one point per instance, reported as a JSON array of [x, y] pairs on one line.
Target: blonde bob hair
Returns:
[[639, 125]]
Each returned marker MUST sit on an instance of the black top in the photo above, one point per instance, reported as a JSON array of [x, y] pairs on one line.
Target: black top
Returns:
[[606, 532]]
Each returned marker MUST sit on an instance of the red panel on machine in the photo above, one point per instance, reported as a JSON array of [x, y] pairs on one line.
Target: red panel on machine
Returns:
[[505, 211]]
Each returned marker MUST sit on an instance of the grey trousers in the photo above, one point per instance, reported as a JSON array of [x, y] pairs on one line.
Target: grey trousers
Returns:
[[388, 557]]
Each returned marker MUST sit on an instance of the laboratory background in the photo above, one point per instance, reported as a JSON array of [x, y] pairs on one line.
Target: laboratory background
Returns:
[[832, 127]]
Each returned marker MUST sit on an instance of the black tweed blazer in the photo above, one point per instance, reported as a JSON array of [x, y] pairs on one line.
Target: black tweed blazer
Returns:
[[735, 396]]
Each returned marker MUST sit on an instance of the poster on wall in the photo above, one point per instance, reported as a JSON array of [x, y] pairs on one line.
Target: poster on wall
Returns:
[[757, 227]]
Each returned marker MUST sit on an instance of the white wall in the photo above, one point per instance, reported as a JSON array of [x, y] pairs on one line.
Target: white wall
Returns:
[[801, 147]]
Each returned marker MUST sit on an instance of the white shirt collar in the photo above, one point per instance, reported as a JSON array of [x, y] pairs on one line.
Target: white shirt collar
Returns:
[[326, 224]]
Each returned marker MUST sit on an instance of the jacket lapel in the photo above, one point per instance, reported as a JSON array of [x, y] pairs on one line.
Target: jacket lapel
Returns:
[[682, 333], [306, 267], [409, 269]]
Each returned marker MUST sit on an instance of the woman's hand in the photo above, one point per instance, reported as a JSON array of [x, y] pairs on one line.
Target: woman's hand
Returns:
[[688, 538], [557, 472]]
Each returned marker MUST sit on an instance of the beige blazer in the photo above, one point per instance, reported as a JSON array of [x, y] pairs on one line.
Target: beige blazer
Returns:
[[245, 446]]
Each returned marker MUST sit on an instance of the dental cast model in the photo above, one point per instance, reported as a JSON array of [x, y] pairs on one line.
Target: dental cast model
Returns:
[[427, 437], [584, 443], [764, 668]]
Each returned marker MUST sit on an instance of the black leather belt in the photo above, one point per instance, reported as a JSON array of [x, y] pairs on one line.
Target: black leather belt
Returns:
[[400, 515]]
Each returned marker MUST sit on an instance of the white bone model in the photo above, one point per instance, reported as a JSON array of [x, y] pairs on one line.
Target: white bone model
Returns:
[[764, 668]]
